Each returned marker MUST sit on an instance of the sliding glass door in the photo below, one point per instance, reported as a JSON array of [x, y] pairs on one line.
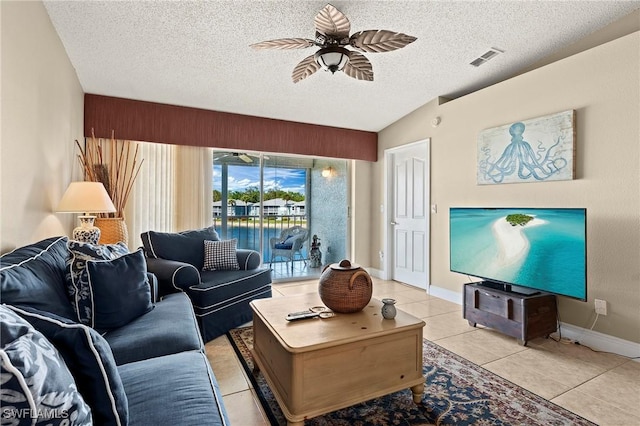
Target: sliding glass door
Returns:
[[277, 204]]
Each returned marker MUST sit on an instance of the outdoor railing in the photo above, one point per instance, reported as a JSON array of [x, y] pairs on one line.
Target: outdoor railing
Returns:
[[246, 229]]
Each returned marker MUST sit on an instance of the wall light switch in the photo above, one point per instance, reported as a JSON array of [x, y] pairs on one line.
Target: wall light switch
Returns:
[[434, 208]]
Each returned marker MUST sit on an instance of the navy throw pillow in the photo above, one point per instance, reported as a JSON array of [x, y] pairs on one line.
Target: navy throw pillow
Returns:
[[186, 246], [37, 386], [120, 289], [90, 360], [286, 244], [34, 275], [78, 289]]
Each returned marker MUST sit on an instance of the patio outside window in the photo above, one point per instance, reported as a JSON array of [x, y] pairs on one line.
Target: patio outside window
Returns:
[[258, 197]]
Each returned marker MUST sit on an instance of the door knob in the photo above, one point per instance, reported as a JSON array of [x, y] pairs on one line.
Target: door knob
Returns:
[[394, 223]]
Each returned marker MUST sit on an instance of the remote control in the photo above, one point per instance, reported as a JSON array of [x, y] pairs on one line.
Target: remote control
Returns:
[[295, 314], [301, 315]]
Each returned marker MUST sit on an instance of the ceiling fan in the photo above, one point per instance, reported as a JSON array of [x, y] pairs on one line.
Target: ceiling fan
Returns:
[[235, 156], [332, 36]]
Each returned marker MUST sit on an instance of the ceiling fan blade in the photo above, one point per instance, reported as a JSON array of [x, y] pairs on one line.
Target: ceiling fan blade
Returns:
[[358, 67], [379, 40], [305, 68], [245, 158], [330, 21], [284, 43]]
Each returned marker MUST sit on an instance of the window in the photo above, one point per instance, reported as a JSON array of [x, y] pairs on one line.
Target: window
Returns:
[[257, 197]]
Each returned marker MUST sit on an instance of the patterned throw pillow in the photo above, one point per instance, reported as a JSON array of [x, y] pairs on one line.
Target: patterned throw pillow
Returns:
[[78, 288], [90, 360], [37, 386], [220, 255]]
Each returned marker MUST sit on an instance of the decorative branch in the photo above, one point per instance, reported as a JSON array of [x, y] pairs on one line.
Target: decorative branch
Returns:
[[110, 162]]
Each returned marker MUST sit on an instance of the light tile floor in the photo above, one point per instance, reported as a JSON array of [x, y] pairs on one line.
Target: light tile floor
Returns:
[[298, 270], [602, 387]]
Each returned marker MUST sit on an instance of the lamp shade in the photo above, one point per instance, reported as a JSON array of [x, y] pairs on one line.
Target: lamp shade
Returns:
[[332, 58], [86, 197]]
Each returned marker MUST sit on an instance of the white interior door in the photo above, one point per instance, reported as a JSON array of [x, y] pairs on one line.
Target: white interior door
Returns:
[[409, 224]]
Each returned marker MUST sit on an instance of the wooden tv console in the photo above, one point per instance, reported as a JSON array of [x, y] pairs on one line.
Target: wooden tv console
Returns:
[[520, 316]]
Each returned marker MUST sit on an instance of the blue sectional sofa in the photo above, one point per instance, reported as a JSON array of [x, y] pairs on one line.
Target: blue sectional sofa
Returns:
[[219, 279], [140, 361]]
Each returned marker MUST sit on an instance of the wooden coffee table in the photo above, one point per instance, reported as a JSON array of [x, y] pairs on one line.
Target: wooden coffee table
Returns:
[[316, 366]]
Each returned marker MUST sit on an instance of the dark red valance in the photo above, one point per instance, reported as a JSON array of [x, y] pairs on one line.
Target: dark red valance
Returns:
[[154, 122]]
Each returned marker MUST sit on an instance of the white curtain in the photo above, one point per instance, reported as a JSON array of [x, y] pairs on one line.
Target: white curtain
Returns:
[[194, 187], [151, 204], [172, 192]]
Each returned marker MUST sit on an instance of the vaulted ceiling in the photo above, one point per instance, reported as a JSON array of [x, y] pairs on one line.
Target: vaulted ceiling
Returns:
[[197, 54]]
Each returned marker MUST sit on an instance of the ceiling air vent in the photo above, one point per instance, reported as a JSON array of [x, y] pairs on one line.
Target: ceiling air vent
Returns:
[[491, 53]]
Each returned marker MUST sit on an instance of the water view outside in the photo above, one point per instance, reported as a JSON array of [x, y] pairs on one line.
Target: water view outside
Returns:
[[296, 192], [247, 230], [284, 203]]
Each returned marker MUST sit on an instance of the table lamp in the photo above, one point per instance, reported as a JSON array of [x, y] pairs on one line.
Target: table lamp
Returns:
[[85, 198]]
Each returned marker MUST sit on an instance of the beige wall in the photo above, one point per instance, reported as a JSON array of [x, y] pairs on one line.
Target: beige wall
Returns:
[[362, 219], [42, 114], [602, 86], [42, 110]]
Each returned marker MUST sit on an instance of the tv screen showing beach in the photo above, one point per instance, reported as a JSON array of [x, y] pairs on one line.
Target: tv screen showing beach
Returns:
[[542, 249]]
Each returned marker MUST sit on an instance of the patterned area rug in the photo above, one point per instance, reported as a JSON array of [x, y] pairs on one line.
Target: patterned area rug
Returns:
[[457, 392]]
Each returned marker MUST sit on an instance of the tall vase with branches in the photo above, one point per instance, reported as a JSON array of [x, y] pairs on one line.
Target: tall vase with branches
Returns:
[[116, 165]]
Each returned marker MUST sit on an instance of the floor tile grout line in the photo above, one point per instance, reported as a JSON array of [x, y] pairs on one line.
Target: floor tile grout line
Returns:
[[590, 395], [407, 292]]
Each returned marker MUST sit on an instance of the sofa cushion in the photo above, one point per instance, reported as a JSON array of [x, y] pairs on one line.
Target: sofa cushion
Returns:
[[220, 255], [78, 288], [170, 327], [186, 246], [36, 383], [89, 358], [283, 246], [186, 396], [120, 290], [221, 302], [34, 275], [224, 289]]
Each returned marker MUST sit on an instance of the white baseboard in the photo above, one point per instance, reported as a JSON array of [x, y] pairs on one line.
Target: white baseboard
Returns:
[[378, 273], [593, 339], [446, 294], [600, 341]]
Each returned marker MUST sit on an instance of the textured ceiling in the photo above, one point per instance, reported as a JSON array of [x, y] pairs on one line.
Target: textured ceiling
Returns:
[[196, 53]]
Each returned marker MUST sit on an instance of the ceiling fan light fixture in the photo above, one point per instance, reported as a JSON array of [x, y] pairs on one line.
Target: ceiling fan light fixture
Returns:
[[245, 158], [332, 58], [332, 33]]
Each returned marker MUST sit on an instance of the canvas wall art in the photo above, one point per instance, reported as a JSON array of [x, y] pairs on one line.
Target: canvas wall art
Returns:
[[537, 150]]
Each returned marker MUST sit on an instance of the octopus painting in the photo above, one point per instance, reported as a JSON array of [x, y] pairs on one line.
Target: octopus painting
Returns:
[[548, 155]]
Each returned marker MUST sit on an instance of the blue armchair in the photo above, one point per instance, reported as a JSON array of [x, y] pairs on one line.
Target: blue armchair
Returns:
[[221, 297]]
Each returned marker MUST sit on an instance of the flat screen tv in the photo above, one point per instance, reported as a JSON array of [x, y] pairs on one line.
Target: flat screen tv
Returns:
[[524, 250]]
